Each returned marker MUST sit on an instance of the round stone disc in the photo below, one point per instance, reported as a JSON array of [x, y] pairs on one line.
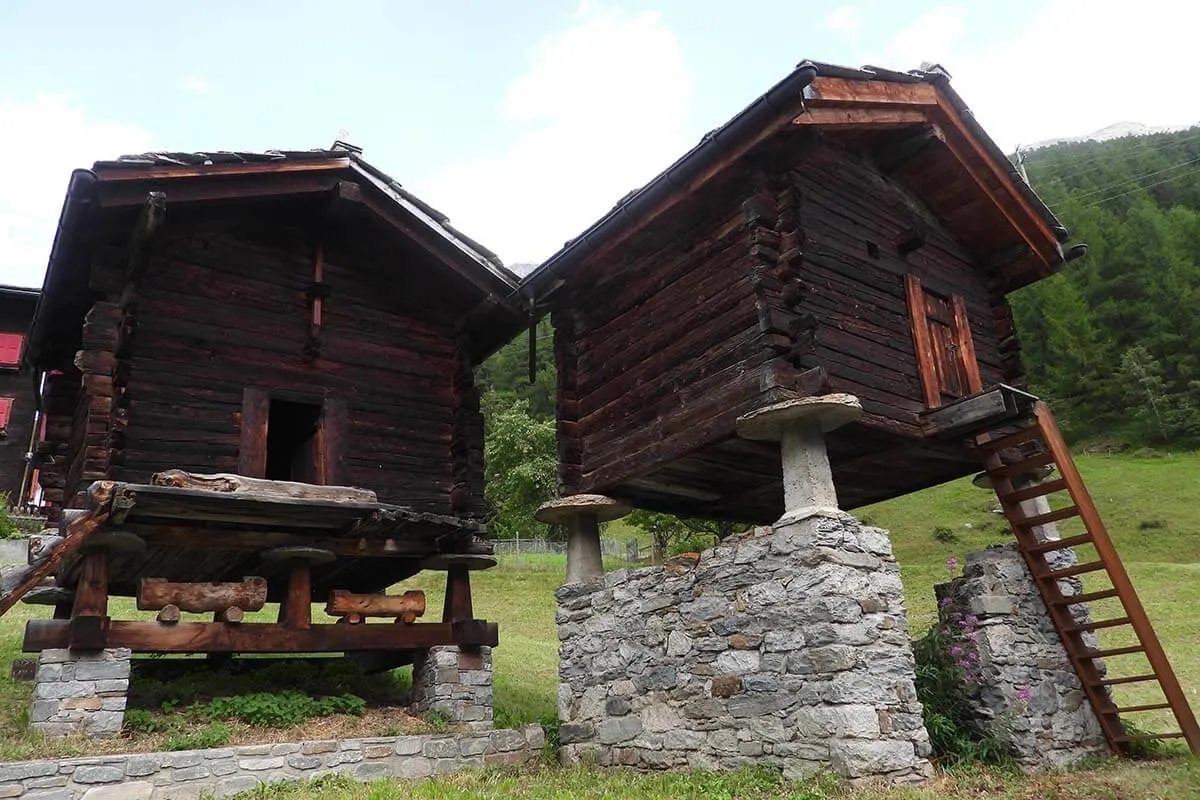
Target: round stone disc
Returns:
[[830, 410], [984, 481], [48, 596], [559, 510], [316, 555], [116, 541]]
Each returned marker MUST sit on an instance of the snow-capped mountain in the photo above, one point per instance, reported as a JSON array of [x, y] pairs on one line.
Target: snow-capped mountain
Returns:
[[1117, 130]]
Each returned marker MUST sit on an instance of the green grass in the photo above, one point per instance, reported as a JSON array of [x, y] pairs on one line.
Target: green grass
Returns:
[[1148, 503]]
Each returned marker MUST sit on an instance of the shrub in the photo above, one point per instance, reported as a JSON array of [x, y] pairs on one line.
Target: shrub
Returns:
[[139, 720], [215, 734], [263, 709], [944, 534]]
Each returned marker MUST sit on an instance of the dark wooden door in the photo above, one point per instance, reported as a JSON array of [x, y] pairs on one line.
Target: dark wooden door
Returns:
[[942, 340]]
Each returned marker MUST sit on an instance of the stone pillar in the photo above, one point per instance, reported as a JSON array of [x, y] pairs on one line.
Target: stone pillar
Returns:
[[1027, 689], [800, 426], [582, 515], [77, 692], [454, 684]]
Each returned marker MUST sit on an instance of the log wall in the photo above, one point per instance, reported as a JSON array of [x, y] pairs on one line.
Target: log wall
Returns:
[[219, 310], [15, 316]]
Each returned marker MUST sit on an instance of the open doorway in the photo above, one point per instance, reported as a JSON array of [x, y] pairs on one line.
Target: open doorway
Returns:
[[292, 447]]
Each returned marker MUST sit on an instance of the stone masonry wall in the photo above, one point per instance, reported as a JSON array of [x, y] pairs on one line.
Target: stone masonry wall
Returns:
[[1028, 689], [788, 647], [192, 774], [80, 692], [456, 684]]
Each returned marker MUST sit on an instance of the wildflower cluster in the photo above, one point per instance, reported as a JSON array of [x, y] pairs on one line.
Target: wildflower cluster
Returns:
[[958, 636]]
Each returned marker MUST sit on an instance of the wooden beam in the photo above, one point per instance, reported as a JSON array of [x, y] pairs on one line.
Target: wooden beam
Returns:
[[356, 607], [151, 218], [248, 594], [835, 118], [206, 188], [166, 172], [859, 92], [295, 611], [922, 341], [252, 452], [258, 637], [91, 594], [253, 541], [458, 595], [970, 412]]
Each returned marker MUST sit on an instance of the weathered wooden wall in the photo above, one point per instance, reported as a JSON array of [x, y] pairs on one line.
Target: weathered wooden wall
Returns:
[[657, 348], [853, 220], [15, 316], [222, 309]]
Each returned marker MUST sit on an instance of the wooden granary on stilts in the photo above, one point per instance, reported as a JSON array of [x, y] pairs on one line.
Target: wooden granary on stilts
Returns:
[[230, 342], [851, 232]]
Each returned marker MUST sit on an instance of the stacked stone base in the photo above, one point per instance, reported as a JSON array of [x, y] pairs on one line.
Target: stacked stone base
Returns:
[[455, 684], [788, 648], [80, 693], [1028, 690]]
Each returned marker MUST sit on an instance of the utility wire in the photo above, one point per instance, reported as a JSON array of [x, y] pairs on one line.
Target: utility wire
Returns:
[[1135, 179], [1141, 149], [1103, 200]]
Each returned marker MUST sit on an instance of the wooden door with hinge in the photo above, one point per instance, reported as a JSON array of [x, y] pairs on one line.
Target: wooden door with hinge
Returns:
[[942, 340]]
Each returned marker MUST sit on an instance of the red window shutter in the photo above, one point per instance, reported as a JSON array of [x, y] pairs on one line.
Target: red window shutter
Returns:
[[5, 410], [10, 349]]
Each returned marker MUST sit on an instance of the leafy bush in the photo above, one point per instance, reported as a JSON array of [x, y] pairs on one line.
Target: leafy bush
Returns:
[[947, 669], [215, 734], [9, 527], [139, 720], [264, 709], [944, 534]]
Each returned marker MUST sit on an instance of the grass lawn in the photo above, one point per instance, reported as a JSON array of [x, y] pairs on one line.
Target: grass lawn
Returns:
[[1149, 505]]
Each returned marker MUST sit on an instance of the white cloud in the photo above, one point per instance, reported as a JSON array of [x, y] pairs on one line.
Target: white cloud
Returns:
[[601, 109], [40, 143], [1069, 69], [194, 85], [845, 20]]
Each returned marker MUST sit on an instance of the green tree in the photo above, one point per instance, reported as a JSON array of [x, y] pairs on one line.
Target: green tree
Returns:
[[669, 532], [520, 467]]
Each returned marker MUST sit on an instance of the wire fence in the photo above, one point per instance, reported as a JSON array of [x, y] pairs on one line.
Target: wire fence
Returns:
[[630, 550]]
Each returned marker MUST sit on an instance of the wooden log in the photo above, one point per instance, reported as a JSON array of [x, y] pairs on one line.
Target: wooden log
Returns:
[[356, 607], [258, 637], [77, 532], [295, 611], [91, 595], [458, 595], [240, 485], [249, 594]]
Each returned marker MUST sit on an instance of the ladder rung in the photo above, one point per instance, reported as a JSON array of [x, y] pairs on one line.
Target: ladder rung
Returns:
[[1113, 651], [1087, 597], [1037, 490], [1043, 519], [1094, 626], [1019, 467], [1058, 544], [1132, 709], [1011, 440], [1147, 737], [1131, 679], [1078, 569]]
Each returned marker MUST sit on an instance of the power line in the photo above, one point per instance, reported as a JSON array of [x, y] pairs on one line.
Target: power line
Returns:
[[1141, 149], [1103, 200], [1136, 179]]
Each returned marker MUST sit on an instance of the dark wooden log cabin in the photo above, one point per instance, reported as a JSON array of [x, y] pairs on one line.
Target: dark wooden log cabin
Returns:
[[17, 395], [295, 316], [850, 231]]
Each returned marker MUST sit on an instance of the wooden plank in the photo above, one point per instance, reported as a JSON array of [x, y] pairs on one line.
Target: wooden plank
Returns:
[[163, 171], [834, 118], [252, 453], [249, 594], [921, 340], [333, 440], [970, 412], [253, 637], [262, 489], [966, 345], [91, 593], [830, 90]]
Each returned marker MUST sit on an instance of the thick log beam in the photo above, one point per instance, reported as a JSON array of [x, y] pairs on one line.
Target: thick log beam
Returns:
[[357, 607], [250, 594], [258, 637], [260, 487]]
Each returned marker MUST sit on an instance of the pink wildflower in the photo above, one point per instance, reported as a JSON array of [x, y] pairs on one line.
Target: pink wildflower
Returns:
[[947, 601], [951, 563], [956, 650], [1023, 694]]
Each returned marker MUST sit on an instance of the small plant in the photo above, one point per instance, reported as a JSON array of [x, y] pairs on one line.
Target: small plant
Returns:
[[9, 528], [437, 719], [944, 534], [265, 710], [1152, 524], [215, 734], [139, 720]]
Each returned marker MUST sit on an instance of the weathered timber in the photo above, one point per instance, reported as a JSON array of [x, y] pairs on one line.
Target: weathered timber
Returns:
[[357, 607], [252, 637], [241, 485], [250, 594]]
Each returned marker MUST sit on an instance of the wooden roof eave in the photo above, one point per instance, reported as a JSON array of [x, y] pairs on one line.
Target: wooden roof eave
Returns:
[[840, 103]]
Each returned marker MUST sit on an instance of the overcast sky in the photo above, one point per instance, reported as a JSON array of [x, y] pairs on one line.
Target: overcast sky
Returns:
[[525, 120]]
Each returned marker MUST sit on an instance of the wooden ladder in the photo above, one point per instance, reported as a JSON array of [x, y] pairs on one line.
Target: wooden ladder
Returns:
[[1053, 452]]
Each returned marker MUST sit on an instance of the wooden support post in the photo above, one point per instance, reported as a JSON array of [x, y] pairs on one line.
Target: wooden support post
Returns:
[[91, 595], [296, 609], [458, 595]]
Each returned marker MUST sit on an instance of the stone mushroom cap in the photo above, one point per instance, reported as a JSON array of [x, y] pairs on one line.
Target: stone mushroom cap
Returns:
[[830, 410], [316, 555], [984, 481], [561, 509]]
